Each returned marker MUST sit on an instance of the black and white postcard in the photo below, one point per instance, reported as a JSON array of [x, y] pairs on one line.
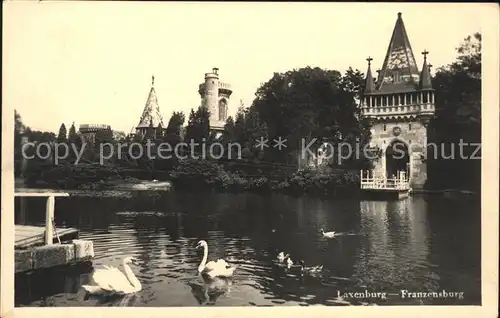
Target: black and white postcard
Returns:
[[171, 159]]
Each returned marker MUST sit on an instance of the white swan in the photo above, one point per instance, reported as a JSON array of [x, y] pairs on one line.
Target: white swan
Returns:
[[110, 280], [212, 269], [328, 234], [289, 262]]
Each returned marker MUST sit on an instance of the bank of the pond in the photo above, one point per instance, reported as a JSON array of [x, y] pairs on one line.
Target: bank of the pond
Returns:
[[94, 177], [204, 175], [449, 193], [196, 175]]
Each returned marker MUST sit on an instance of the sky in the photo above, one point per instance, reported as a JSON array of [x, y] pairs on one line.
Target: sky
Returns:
[[91, 63]]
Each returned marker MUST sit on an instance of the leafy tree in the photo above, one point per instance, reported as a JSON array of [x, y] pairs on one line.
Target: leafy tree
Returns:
[[40, 136], [255, 129], [18, 130], [191, 125], [35, 165], [62, 136], [75, 142], [172, 138], [175, 124], [119, 136], [228, 135], [72, 132], [353, 82], [458, 117], [203, 116], [239, 127], [310, 104], [198, 127], [104, 137]]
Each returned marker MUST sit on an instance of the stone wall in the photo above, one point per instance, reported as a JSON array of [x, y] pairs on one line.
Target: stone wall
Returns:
[[414, 134], [76, 251]]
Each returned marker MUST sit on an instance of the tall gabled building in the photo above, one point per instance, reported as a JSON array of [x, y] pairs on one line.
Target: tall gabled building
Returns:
[[400, 104]]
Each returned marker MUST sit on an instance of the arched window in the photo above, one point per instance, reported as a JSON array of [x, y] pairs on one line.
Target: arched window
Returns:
[[222, 110]]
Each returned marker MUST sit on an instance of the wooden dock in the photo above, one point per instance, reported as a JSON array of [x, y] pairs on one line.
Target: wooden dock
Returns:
[[383, 188], [38, 247], [27, 236]]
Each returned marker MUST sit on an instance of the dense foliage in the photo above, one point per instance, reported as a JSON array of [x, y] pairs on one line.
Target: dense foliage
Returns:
[[199, 175], [305, 105], [458, 117]]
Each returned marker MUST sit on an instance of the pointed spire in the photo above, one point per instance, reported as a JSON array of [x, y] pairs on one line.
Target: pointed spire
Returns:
[[399, 61], [425, 76], [369, 84], [152, 80], [151, 112]]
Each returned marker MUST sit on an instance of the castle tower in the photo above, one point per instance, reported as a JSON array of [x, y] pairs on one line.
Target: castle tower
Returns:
[[151, 120], [399, 105], [215, 97]]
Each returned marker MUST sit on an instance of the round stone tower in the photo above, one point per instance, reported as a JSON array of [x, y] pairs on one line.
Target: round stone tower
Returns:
[[215, 97]]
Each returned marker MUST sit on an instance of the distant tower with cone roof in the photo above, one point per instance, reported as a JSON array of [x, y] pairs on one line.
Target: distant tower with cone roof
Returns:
[[399, 104], [151, 122]]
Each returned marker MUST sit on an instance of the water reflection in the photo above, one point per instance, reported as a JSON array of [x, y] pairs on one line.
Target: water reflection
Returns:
[[385, 246], [209, 290], [113, 300], [398, 232]]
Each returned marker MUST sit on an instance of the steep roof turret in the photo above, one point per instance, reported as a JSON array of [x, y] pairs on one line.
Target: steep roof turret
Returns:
[[425, 76], [369, 83], [151, 113], [399, 71]]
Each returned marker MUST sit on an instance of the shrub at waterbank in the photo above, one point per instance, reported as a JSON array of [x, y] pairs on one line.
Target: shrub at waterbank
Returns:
[[192, 174], [82, 176], [324, 182], [208, 175], [74, 176]]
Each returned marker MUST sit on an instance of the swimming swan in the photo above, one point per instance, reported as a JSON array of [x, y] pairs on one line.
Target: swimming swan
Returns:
[[328, 234], [110, 280], [212, 269]]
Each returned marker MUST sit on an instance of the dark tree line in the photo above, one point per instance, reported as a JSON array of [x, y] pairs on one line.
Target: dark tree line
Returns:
[[458, 117], [300, 106]]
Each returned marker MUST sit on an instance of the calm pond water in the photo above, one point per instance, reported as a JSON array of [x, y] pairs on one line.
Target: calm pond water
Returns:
[[420, 244]]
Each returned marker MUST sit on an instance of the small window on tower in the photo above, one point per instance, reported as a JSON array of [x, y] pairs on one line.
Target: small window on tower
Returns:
[[385, 127], [409, 126], [222, 110], [396, 77]]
